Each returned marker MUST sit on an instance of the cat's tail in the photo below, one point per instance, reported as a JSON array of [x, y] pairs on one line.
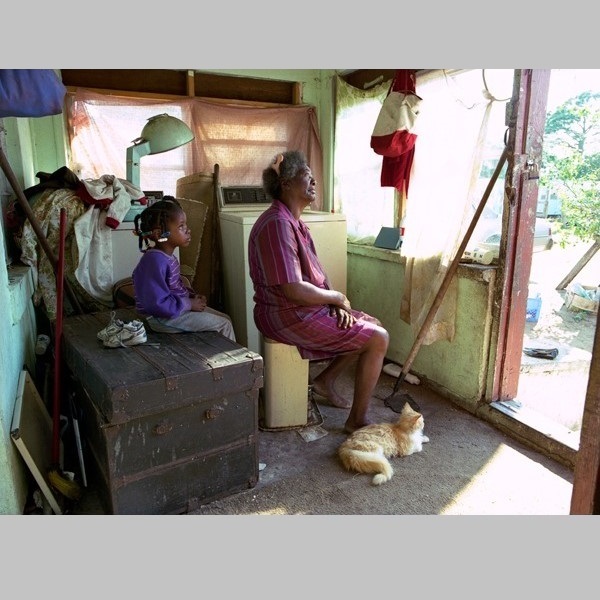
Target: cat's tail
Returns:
[[367, 462]]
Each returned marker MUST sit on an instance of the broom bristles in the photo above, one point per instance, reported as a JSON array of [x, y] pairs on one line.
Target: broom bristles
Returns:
[[66, 487]]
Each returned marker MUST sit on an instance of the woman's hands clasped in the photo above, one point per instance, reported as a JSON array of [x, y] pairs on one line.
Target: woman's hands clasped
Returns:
[[343, 313]]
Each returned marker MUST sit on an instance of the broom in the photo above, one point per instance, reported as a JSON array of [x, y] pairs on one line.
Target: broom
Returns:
[[63, 485]]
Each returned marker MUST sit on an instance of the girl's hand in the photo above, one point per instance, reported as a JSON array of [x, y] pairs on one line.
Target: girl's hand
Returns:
[[198, 303]]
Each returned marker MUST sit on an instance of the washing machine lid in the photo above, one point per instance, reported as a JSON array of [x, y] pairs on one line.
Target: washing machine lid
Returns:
[[243, 198]]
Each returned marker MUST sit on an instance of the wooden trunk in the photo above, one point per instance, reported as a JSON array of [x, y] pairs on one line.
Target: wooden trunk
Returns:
[[166, 427]]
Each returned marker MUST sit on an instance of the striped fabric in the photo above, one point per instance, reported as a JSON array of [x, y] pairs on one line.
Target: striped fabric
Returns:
[[281, 250]]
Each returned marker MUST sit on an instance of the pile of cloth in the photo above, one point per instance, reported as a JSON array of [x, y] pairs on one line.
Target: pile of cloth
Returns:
[[94, 207]]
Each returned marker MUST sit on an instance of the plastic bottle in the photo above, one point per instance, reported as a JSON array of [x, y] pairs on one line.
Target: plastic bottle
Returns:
[[578, 289]]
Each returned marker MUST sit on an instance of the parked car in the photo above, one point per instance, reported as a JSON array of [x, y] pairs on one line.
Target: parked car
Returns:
[[484, 245]]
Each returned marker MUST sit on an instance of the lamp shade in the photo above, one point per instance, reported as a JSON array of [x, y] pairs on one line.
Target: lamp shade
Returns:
[[160, 134], [164, 132]]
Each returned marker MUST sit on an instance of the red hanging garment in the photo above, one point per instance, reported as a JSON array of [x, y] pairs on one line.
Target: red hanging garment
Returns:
[[392, 135]]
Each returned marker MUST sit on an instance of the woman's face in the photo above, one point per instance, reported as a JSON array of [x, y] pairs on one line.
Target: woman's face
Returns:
[[304, 184]]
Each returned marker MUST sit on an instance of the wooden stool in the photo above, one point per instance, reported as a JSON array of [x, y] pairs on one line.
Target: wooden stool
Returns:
[[285, 391]]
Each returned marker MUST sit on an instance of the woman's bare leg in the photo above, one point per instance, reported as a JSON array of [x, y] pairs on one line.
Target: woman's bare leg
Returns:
[[324, 382], [368, 369]]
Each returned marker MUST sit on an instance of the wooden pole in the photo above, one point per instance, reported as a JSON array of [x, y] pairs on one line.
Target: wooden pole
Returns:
[[584, 260]]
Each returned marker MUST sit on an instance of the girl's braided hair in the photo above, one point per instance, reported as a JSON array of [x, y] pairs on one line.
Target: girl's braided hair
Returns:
[[156, 217], [284, 166]]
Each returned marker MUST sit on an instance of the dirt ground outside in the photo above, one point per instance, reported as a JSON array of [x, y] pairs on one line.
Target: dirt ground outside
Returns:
[[557, 388]]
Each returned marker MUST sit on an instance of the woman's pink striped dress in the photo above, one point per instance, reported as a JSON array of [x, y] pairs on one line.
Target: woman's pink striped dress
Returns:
[[281, 250]]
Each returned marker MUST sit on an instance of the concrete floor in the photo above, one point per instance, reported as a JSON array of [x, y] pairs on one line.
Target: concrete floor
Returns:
[[468, 468]]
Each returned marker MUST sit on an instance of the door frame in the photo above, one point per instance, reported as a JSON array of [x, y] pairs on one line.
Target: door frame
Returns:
[[526, 119], [585, 498], [526, 123]]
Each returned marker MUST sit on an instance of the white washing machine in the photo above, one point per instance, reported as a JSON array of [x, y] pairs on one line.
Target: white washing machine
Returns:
[[125, 250], [329, 234]]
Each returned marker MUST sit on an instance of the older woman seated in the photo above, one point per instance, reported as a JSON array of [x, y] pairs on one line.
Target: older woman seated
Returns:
[[294, 303]]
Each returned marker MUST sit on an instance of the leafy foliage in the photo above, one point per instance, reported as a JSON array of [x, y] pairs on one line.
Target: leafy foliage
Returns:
[[571, 163]]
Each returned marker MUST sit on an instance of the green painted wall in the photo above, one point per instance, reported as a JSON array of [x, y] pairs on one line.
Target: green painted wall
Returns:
[[34, 145], [17, 340], [31, 145], [458, 368]]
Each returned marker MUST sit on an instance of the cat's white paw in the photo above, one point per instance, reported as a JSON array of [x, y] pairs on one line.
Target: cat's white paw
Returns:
[[425, 439]]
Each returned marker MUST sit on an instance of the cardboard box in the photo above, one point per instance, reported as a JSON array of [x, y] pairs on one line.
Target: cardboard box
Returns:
[[576, 302]]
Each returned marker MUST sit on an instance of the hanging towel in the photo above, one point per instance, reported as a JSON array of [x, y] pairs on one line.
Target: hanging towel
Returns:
[[393, 135]]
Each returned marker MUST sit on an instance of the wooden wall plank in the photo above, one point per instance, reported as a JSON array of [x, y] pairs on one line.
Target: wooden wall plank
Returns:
[[167, 82], [157, 81]]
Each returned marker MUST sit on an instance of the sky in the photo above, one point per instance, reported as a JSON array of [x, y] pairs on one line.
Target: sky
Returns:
[[567, 83]]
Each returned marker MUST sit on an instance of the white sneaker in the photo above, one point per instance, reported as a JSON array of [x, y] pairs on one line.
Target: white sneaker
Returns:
[[114, 326], [130, 334]]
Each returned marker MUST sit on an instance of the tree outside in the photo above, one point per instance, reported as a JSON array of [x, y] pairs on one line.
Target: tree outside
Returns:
[[571, 164]]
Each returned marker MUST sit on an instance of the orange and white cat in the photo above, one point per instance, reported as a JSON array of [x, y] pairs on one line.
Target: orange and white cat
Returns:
[[367, 449]]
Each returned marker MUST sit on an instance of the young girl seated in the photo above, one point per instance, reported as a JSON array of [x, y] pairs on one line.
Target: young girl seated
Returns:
[[160, 293]]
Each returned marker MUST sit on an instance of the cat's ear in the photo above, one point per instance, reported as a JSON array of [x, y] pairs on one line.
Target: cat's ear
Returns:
[[407, 409], [415, 418]]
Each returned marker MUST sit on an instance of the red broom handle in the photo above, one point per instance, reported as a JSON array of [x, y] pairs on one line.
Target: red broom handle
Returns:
[[60, 274]]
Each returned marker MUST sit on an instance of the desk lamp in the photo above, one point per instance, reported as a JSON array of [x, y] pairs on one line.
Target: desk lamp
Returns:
[[160, 134]]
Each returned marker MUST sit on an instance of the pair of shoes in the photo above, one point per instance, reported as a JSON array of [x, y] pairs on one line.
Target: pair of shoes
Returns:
[[115, 326], [129, 334]]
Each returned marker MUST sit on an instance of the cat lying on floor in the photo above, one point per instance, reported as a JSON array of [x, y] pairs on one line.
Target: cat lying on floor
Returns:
[[367, 449]]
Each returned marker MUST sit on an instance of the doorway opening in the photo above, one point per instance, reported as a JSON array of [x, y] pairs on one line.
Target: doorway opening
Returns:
[[556, 387], [560, 325]]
